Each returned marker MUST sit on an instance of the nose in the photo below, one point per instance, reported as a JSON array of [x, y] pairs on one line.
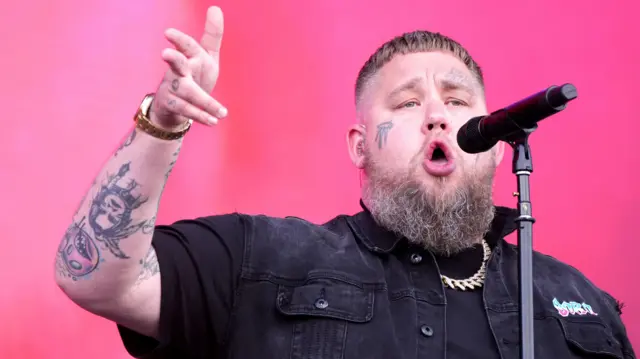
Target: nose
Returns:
[[436, 122]]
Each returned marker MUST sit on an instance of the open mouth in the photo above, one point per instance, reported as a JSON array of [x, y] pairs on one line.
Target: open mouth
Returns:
[[439, 160], [439, 153]]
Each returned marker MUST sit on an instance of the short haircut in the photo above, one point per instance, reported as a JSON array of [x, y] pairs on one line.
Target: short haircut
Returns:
[[413, 42]]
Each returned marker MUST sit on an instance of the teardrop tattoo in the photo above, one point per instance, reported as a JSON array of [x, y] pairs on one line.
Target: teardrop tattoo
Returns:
[[383, 131]]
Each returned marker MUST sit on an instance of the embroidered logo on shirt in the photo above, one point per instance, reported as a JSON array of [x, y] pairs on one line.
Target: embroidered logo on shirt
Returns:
[[573, 308]]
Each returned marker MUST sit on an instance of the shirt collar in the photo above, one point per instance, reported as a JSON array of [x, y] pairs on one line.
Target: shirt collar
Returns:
[[380, 240]]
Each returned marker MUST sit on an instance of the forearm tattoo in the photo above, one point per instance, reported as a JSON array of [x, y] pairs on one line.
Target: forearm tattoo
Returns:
[[108, 222], [150, 266], [127, 142], [78, 254], [383, 131], [172, 164], [111, 209], [173, 161], [149, 226]]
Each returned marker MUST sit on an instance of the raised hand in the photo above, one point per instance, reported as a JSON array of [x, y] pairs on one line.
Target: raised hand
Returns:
[[193, 71]]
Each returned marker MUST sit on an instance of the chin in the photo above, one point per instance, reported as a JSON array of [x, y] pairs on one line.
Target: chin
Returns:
[[441, 183]]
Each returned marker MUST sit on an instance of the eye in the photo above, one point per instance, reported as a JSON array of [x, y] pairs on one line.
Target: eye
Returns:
[[456, 103], [410, 104]]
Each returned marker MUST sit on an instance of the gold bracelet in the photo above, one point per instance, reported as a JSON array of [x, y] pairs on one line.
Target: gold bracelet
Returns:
[[144, 124]]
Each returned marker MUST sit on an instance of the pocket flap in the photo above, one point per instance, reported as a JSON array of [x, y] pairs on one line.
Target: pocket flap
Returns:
[[592, 337], [327, 297]]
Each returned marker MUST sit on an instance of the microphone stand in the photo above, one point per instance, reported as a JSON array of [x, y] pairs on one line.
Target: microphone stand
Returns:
[[519, 121], [522, 168]]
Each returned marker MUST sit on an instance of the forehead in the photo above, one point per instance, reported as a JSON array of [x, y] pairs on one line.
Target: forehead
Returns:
[[431, 65]]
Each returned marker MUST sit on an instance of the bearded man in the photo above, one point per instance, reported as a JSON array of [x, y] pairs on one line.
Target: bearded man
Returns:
[[422, 272]]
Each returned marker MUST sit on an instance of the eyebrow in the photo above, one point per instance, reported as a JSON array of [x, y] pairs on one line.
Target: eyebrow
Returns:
[[412, 84], [451, 81], [456, 80]]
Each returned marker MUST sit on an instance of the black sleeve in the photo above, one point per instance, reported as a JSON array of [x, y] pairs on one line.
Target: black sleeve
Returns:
[[618, 328], [200, 263]]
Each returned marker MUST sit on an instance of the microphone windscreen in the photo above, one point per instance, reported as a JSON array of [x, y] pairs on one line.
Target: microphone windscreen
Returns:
[[470, 138]]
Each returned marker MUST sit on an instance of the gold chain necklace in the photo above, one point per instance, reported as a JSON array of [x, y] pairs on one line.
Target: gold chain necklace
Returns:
[[476, 281]]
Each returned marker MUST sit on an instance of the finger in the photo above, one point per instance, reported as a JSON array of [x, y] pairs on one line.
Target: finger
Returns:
[[177, 61], [184, 108], [213, 30], [189, 91], [183, 42]]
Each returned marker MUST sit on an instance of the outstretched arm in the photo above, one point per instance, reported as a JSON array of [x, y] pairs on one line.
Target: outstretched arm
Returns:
[[105, 262]]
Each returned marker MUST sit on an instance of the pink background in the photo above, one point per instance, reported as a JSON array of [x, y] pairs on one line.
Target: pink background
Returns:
[[74, 71]]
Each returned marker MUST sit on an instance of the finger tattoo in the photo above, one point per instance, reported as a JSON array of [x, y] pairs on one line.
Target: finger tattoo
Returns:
[[175, 84]]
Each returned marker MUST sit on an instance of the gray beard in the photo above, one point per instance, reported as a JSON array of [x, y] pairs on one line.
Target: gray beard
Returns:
[[443, 222]]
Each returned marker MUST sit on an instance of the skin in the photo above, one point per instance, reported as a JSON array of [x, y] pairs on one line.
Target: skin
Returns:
[[105, 262], [413, 100]]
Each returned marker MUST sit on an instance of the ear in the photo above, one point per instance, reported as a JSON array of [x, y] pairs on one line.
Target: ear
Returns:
[[355, 144]]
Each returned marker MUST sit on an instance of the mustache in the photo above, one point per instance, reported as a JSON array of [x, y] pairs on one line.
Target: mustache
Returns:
[[419, 156]]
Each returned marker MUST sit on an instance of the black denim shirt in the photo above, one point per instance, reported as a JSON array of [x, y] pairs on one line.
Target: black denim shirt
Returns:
[[349, 289]]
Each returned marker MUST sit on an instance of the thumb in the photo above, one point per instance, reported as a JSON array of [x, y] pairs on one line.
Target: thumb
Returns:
[[213, 30]]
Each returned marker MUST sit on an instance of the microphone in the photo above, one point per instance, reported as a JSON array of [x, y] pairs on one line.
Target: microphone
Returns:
[[481, 133]]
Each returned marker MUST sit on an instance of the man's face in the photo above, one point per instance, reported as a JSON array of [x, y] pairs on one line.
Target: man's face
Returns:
[[418, 181]]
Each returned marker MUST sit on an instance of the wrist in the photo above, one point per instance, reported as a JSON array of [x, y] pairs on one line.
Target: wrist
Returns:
[[147, 121], [153, 118]]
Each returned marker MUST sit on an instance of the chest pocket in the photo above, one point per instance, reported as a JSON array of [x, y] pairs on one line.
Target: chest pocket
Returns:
[[590, 338], [321, 312]]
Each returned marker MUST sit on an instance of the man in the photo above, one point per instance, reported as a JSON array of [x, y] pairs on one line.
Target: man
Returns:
[[422, 272]]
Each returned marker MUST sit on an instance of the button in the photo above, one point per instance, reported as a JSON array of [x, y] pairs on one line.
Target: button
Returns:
[[426, 330], [282, 299], [416, 258], [321, 303]]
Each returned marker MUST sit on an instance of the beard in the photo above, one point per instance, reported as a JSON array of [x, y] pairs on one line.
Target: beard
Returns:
[[440, 219]]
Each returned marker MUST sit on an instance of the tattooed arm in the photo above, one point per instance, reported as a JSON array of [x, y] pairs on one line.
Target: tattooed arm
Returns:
[[105, 256], [105, 262]]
